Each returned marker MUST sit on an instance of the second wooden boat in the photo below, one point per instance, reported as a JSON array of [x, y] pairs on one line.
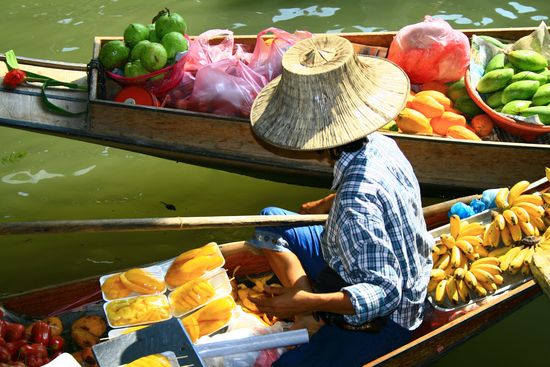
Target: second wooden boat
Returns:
[[228, 143]]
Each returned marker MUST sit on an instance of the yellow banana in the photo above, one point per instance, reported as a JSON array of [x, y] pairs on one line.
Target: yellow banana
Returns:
[[532, 209], [501, 222], [470, 279], [437, 274], [463, 291], [529, 255], [483, 275], [474, 240], [521, 213], [517, 190], [501, 199], [489, 286], [447, 240], [465, 246], [532, 198], [456, 257], [459, 273], [527, 228], [440, 291], [435, 250], [515, 232], [450, 289], [432, 284], [545, 197], [493, 260], [547, 171], [480, 290], [506, 237], [499, 251], [491, 236], [454, 224], [546, 234], [517, 261], [482, 251], [499, 279], [507, 258], [472, 229], [525, 269], [489, 268], [435, 258], [538, 223], [510, 216], [443, 261]]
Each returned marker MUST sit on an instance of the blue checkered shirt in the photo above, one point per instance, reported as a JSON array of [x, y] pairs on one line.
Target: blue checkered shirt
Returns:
[[376, 237]]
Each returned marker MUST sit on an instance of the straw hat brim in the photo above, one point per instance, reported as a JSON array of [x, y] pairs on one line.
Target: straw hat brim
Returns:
[[328, 120]]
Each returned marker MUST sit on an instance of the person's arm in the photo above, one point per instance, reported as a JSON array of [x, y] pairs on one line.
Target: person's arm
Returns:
[[321, 206]]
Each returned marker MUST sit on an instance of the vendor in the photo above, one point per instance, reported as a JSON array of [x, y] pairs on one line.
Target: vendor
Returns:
[[365, 272]]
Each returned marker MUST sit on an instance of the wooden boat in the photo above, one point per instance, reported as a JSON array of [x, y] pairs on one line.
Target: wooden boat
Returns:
[[228, 143], [441, 330]]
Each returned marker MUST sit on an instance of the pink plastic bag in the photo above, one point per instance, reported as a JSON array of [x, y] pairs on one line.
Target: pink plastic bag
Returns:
[[227, 87], [267, 56], [202, 53], [431, 51]]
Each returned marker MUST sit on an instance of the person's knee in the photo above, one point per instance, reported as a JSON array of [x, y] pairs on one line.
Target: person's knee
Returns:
[[273, 210]]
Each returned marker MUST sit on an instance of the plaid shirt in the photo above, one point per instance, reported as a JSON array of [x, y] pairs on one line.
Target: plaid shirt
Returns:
[[376, 238]]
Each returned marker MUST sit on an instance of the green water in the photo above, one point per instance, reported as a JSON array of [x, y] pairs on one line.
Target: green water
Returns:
[[45, 178]]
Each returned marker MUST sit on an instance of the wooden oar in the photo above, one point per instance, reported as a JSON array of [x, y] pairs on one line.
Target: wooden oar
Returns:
[[432, 213]]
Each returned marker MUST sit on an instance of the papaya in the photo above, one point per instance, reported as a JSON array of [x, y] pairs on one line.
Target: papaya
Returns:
[[543, 113], [467, 106], [529, 75], [496, 62], [457, 90], [524, 89], [441, 124], [495, 80], [495, 99], [542, 95], [527, 60], [438, 96], [515, 107], [413, 122], [461, 132], [427, 105]]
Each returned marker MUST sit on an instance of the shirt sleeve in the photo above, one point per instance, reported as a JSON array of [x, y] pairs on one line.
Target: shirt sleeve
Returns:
[[371, 265]]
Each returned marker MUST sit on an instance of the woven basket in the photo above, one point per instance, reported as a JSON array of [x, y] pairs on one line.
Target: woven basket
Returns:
[[524, 130]]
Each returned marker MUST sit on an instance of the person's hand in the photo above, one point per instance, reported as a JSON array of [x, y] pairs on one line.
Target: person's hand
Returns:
[[284, 303], [321, 206]]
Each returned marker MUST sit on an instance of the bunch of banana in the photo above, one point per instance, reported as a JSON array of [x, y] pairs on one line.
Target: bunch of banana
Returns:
[[520, 257], [191, 295], [521, 215], [484, 276], [453, 287]]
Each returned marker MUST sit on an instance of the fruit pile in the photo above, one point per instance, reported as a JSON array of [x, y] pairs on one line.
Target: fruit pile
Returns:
[[243, 294], [146, 48], [210, 318], [134, 280], [475, 257], [31, 346], [138, 310], [517, 83], [444, 110]]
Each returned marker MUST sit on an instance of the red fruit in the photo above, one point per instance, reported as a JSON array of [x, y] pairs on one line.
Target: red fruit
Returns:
[[14, 331], [56, 344], [5, 355], [32, 350], [40, 333], [14, 347]]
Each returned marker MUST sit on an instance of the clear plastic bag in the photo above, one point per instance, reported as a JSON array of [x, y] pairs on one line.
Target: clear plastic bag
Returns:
[[202, 52], [431, 51], [268, 54]]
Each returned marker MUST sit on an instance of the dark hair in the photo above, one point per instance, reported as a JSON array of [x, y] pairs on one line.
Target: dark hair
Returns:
[[336, 153]]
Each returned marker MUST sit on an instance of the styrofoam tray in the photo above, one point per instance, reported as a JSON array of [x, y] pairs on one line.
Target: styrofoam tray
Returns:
[[155, 270], [163, 302]]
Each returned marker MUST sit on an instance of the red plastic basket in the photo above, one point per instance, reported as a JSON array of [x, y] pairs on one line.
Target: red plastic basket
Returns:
[[524, 130]]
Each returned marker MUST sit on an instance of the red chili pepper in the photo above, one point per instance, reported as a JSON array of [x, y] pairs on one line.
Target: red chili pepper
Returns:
[[13, 78], [40, 333], [56, 344], [14, 331]]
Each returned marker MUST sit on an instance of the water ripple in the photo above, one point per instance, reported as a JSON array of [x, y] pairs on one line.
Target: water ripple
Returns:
[[83, 171], [39, 176], [506, 13], [291, 13]]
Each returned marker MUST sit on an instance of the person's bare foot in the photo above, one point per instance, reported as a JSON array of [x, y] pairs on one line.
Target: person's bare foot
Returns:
[[321, 206]]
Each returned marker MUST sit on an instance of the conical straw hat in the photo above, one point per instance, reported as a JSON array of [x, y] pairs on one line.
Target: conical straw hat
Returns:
[[327, 96]]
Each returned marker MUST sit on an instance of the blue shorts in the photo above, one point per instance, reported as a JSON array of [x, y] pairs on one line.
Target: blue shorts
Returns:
[[330, 345]]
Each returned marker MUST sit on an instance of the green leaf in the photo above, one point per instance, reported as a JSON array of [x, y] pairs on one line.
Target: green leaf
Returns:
[[54, 108], [11, 60]]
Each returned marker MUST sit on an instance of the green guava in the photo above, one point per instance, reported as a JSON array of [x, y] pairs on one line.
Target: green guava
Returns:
[[166, 22], [152, 33], [113, 54], [135, 54], [174, 42], [134, 68], [135, 33], [153, 56]]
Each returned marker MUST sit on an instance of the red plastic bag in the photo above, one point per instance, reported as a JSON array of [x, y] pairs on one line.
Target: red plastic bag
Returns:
[[431, 51], [227, 87], [268, 54], [202, 53]]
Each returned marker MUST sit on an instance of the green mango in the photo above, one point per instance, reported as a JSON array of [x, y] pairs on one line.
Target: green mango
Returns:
[[495, 99], [497, 62], [524, 89], [543, 113], [529, 75], [457, 90], [546, 73], [542, 95], [493, 41], [494, 80], [467, 106], [515, 107], [527, 60]]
